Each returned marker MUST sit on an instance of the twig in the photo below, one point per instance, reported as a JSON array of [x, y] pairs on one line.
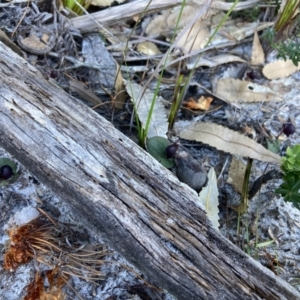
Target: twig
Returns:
[[123, 12], [78, 64], [24, 14]]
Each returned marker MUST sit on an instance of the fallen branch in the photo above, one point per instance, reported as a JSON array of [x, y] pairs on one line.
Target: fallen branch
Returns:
[[124, 12], [121, 193]]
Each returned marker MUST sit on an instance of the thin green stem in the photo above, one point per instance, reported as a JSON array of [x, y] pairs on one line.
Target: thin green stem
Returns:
[[174, 110], [145, 131], [141, 131]]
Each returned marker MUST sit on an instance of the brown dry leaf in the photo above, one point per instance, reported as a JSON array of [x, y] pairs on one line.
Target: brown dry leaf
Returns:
[[53, 294], [105, 2], [117, 38], [56, 281], [233, 31], [35, 288], [34, 42], [281, 86], [235, 90], [236, 174], [212, 61], [167, 21], [148, 48], [55, 278], [202, 103], [158, 25], [22, 241], [194, 39], [83, 91], [120, 91], [258, 55], [136, 18], [227, 140], [187, 15], [280, 69]]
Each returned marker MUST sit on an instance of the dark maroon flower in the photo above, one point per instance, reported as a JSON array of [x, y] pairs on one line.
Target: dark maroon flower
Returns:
[[172, 149], [6, 172], [288, 129]]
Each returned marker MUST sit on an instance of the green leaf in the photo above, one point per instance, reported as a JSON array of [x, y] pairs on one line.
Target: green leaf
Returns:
[[69, 4], [8, 162], [156, 146], [273, 146], [291, 161], [290, 187], [265, 244], [295, 150], [289, 151]]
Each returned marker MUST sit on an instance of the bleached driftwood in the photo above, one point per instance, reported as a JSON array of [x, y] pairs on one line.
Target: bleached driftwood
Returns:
[[124, 12], [137, 206]]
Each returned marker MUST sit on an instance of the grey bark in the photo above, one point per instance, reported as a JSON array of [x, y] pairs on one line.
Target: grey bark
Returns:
[[123, 194]]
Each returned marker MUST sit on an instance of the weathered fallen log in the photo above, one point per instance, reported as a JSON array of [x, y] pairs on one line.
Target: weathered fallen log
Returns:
[[137, 206]]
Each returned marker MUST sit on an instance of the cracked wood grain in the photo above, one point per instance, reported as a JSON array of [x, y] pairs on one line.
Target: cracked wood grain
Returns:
[[121, 193]]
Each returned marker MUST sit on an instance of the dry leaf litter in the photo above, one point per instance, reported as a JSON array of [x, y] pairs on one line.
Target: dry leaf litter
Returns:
[[255, 105]]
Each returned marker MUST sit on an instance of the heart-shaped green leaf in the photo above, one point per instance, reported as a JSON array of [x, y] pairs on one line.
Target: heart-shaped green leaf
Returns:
[[156, 146]]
